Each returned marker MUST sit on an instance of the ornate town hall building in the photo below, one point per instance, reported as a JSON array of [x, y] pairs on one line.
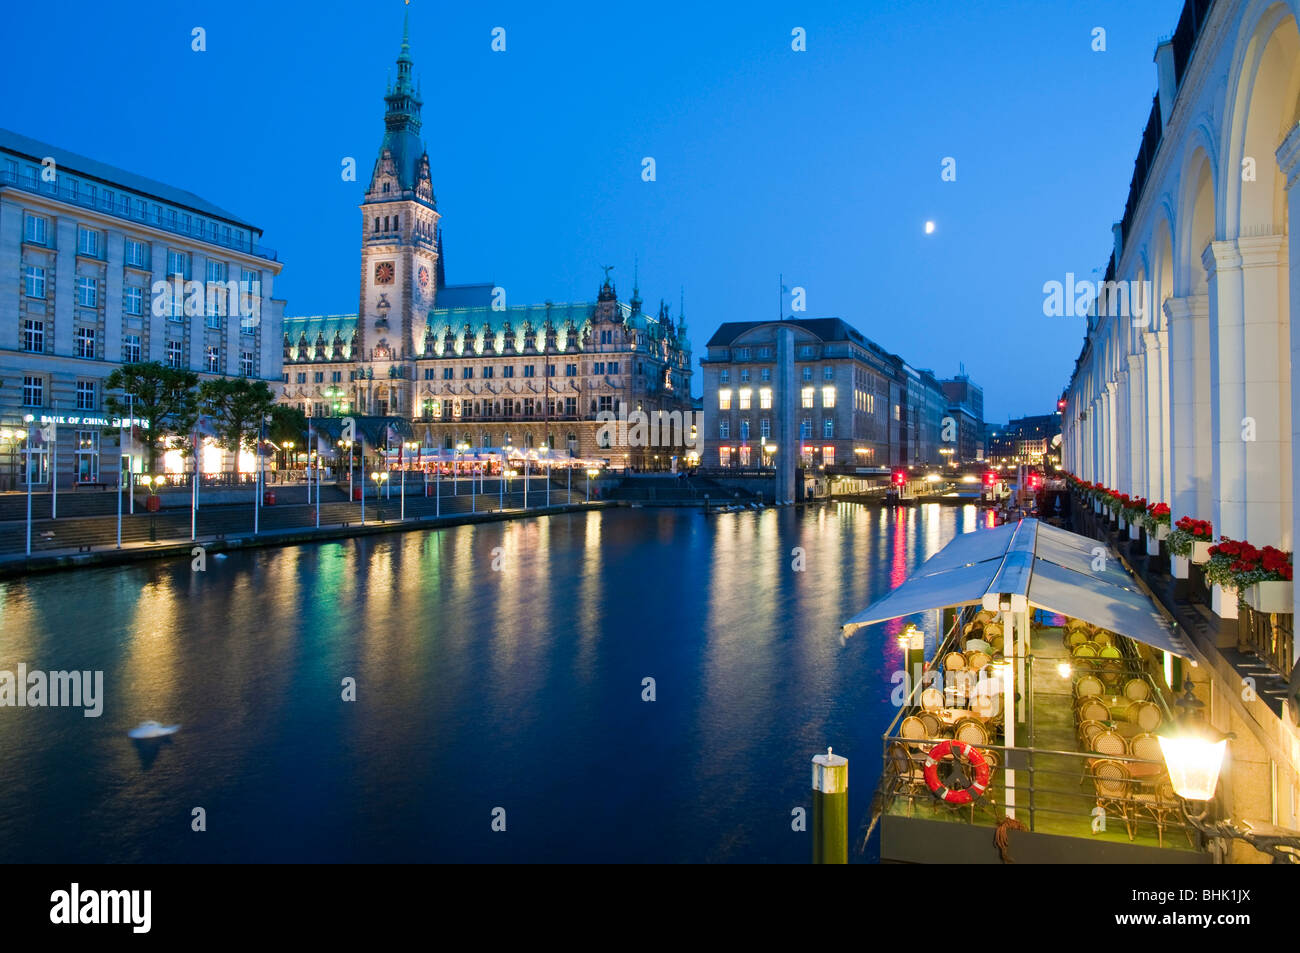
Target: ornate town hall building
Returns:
[[453, 359]]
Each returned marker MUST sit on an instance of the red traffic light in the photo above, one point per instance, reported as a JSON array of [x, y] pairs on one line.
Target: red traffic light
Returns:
[[990, 478], [899, 478]]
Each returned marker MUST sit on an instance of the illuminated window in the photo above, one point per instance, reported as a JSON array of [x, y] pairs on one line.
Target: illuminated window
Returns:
[[745, 395], [807, 396], [765, 398], [724, 399], [828, 456], [828, 396]]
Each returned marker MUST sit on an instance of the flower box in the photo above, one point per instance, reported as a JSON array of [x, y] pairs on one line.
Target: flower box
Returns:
[[1134, 531], [1096, 506], [1121, 522], [1179, 566], [1271, 596], [1223, 601], [1162, 531], [1201, 551], [1153, 546]]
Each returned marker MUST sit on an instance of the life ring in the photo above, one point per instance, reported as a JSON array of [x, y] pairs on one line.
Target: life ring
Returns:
[[970, 753]]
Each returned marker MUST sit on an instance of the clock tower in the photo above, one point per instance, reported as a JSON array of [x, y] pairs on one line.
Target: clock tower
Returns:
[[399, 250]]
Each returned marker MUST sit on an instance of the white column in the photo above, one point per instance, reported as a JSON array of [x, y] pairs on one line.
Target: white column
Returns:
[[1155, 353], [1267, 389], [1137, 425], [1189, 372], [1288, 160], [1227, 391]]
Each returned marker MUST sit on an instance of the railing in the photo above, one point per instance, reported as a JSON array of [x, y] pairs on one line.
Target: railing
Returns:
[[30, 184], [1270, 635]]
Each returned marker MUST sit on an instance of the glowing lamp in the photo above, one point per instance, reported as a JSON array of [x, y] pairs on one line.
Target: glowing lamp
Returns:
[[1193, 764]]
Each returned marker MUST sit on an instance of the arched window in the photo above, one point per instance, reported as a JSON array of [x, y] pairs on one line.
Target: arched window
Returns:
[[396, 222], [528, 440]]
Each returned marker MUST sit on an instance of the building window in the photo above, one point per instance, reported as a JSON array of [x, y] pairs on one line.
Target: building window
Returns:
[[302, 377], [828, 372], [318, 377], [336, 376], [88, 242], [598, 367], [724, 376], [807, 373], [765, 398], [744, 375], [85, 395], [213, 362], [86, 342], [828, 455], [136, 253], [744, 430], [765, 429], [33, 391], [246, 363], [87, 456], [765, 374], [87, 292], [742, 354], [828, 396], [428, 374], [178, 263], [34, 336], [613, 367], [807, 397], [570, 370], [487, 372], [35, 229], [174, 354], [133, 300], [212, 320], [724, 400], [467, 373], [805, 428], [508, 370], [448, 373], [529, 370], [806, 351], [828, 428], [131, 349], [34, 282], [745, 396], [724, 429]]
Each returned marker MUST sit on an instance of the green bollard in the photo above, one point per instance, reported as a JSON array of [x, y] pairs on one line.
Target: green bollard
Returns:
[[830, 783]]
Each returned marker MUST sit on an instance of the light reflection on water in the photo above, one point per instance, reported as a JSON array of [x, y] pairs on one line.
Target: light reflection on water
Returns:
[[517, 686]]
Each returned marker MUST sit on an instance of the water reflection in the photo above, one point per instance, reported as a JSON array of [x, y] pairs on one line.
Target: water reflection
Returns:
[[497, 664]]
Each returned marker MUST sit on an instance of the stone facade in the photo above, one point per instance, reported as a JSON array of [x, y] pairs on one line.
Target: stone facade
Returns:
[[459, 362]]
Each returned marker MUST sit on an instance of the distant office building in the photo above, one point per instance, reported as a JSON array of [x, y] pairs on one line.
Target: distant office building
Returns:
[[962, 392], [1031, 440], [845, 403], [87, 246], [852, 403]]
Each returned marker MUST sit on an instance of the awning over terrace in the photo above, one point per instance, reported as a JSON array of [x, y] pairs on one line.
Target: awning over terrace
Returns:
[[1049, 568]]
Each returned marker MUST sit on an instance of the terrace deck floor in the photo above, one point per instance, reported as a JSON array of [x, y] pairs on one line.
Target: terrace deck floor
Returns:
[[1063, 800]]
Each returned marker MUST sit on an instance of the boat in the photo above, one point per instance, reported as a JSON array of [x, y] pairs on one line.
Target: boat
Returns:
[[151, 729]]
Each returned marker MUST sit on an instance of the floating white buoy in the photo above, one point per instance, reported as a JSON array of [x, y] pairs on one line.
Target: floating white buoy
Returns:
[[152, 729]]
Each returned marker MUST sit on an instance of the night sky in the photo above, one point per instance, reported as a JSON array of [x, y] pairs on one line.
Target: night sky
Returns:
[[822, 165]]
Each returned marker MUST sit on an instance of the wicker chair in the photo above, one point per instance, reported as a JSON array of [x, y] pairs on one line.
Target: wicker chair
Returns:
[[1088, 685], [1088, 730], [1110, 743], [908, 766], [1159, 801], [1111, 780], [954, 662], [932, 699], [1091, 709], [971, 731], [913, 727], [977, 659], [1075, 637], [1147, 747], [933, 726], [1137, 689], [1103, 637], [1146, 715]]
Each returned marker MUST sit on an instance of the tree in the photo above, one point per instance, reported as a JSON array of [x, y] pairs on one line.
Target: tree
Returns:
[[237, 407], [165, 398], [287, 423]]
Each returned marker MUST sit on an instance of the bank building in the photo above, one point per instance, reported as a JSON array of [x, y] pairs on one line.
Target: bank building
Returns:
[[453, 366]]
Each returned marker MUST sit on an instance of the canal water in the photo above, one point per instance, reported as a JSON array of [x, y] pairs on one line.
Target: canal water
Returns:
[[498, 666]]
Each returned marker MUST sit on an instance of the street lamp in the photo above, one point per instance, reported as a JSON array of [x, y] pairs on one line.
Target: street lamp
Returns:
[[348, 444], [149, 482], [408, 446], [1194, 759], [455, 466], [288, 453]]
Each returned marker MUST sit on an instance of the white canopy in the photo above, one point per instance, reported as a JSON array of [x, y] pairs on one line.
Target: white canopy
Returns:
[[1051, 568]]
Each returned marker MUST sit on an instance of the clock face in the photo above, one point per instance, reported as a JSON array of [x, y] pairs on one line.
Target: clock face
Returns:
[[424, 278], [384, 273]]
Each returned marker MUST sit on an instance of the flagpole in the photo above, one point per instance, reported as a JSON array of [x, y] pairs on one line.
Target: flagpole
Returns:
[[257, 481], [130, 454], [363, 480], [27, 445], [54, 461], [194, 490], [121, 442]]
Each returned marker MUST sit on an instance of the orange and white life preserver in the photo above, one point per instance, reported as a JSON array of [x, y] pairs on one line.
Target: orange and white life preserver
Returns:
[[969, 752]]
